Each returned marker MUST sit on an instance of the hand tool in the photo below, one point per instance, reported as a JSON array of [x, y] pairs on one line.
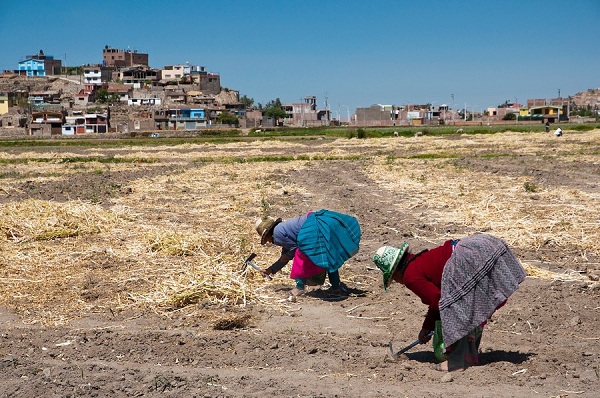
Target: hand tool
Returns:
[[249, 262], [396, 355]]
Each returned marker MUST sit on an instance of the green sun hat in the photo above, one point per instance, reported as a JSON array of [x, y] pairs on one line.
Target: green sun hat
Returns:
[[387, 259]]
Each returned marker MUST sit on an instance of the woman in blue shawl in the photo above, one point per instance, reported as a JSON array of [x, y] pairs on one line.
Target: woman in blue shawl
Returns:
[[318, 242]]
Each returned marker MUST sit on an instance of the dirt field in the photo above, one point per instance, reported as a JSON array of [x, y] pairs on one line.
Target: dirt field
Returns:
[[121, 275]]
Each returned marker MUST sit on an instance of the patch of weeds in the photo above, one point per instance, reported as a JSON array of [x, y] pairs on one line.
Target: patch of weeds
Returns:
[[160, 382], [441, 155], [494, 155], [530, 187], [98, 171], [265, 207], [211, 380], [57, 233], [361, 133], [457, 165], [106, 159], [95, 199], [9, 174]]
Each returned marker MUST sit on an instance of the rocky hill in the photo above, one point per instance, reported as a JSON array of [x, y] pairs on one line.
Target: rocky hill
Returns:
[[590, 97], [67, 86]]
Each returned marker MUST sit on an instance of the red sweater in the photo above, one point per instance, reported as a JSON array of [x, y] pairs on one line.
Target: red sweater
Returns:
[[423, 276]]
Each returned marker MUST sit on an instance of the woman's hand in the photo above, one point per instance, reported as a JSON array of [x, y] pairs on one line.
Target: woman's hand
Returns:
[[424, 336], [265, 272]]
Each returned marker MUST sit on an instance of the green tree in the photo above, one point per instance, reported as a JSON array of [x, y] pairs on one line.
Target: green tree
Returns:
[[247, 102], [104, 97], [275, 110], [227, 118], [276, 103]]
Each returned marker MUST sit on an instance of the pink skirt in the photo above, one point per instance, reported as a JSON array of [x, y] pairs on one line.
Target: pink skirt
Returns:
[[303, 267]]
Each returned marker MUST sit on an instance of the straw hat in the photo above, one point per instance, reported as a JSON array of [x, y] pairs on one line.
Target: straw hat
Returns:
[[265, 227], [387, 259]]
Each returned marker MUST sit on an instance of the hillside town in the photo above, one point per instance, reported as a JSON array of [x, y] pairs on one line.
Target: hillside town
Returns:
[[123, 94]]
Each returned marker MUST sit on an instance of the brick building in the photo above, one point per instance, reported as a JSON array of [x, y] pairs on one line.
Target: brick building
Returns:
[[123, 58]]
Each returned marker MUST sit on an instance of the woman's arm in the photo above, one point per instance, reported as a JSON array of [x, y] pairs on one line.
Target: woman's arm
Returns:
[[277, 265]]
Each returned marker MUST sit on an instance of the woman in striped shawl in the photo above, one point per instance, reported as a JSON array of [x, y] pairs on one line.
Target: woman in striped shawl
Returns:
[[318, 243], [463, 282]]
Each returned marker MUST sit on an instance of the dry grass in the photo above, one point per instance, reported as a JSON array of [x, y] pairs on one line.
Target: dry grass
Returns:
[[179, 238], [447, 193]]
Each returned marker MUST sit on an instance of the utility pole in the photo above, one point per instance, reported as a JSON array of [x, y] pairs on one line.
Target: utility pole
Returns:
[[326, 108], [452, 108]]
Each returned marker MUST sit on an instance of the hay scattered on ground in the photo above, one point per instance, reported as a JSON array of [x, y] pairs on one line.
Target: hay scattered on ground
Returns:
[[541, 273], [38, 220], [176, 241], [515, 209]]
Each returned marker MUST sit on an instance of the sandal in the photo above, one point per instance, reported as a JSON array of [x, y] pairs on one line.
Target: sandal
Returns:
[[441, 367], [295, 292]]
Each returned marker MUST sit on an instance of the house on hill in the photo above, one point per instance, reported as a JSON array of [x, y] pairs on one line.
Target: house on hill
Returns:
[[32, 67], [123, 58], [180, 119], [45, 123], [4, 104], [138, 76], [40, 65], [123, 91]]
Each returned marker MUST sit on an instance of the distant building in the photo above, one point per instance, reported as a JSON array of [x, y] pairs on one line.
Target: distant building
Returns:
[[543, 113], [209, 83], [123, 91], [305, 113], [502, 110], [180, 119], [40, 65], [32, 67], [551, 110], [96, 74], [44, 123], [83, 98], [379, 115], [3, 104], [74, 125], [138, 76], [123, 58], [96, 122], [172, 73], [144, 101]]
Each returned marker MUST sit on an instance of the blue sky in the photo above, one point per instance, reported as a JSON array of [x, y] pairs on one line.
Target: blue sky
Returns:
[[352, 53]]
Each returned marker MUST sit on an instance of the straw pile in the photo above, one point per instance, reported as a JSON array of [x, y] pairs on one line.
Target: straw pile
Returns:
[[178, 239]]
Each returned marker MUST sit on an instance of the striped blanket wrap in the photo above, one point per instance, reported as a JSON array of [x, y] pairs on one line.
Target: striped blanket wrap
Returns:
[[329, 238], [479, 276]]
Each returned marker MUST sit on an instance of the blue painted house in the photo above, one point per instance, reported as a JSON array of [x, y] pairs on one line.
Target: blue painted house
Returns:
[[181, 119], [32, 67]]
